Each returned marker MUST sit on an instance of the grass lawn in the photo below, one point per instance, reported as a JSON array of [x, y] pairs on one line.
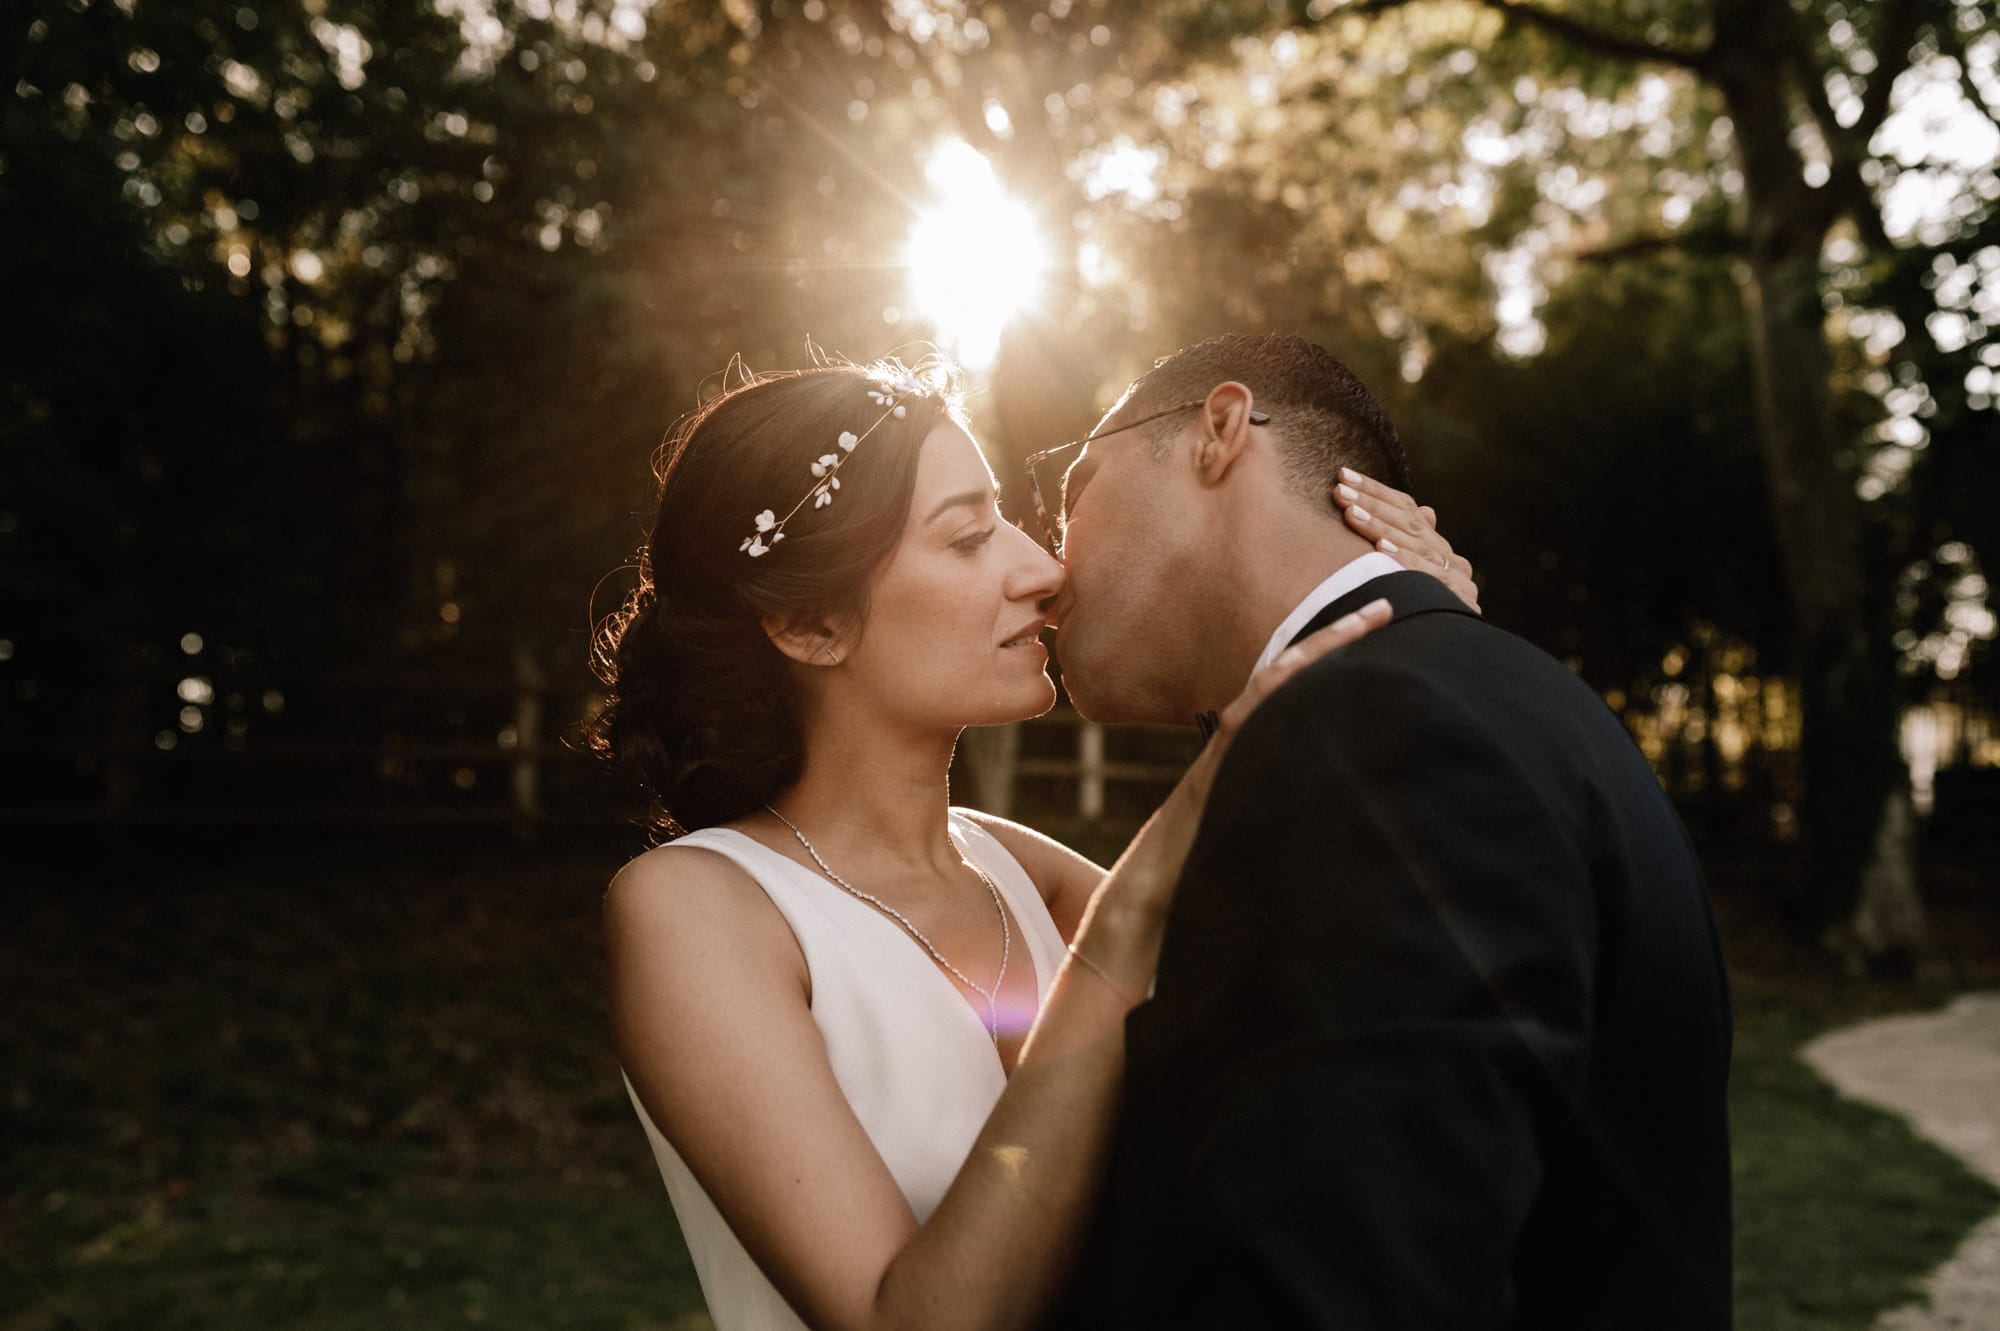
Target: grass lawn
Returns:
[[324, 1086]]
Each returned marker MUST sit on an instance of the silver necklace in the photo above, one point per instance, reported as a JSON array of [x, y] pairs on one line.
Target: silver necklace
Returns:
[[1006, 931]]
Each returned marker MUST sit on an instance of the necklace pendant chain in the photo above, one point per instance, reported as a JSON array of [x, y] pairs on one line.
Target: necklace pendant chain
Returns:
[[989, 996]]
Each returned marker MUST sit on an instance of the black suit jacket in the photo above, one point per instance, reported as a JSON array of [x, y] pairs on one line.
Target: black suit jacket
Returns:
[[1441, 1030]]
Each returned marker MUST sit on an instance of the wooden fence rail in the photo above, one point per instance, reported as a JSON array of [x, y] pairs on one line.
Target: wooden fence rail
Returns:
[[383, 777], [411, 750]]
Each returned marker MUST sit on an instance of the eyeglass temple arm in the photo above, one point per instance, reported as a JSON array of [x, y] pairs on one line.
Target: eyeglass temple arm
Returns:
[[1256, 418]]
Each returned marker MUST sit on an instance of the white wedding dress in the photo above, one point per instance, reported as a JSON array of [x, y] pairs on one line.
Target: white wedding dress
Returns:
[[913, 1058]]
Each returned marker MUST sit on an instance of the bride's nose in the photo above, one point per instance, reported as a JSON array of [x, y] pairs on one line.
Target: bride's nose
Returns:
[[1035, 574]]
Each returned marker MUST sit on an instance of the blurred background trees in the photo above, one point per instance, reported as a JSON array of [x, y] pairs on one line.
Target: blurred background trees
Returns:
[[340, 332]]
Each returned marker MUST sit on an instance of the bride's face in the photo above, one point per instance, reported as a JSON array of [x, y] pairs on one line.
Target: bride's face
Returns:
[[952, 636]]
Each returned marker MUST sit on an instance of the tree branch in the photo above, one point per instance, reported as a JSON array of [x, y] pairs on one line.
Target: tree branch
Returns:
[[1952, 44], [1841, 140], [1615, 45], [1851, 197], [1703, 243], [1895, 34], [1367, 8], [1845, 192], [1590, 38]]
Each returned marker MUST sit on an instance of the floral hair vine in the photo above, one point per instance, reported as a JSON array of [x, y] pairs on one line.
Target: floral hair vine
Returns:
[[887, 391]]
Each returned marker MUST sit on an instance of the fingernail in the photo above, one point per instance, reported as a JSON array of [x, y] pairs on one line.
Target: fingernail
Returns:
[[1360, 513], [1380, 603], [1349, 474], [1290, 656], [1347, 492], [1387, 546]]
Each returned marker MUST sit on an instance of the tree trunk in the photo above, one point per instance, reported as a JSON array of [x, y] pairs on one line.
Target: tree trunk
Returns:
[[1855, 881], [1890, 930]]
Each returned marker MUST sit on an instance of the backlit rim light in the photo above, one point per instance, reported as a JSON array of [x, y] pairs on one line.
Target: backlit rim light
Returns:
[[976, 256]]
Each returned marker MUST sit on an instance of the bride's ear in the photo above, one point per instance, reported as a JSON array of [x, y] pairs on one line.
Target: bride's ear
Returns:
[[809, 642]]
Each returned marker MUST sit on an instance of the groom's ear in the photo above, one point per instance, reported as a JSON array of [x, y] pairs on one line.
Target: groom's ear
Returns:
[[1226, 420]]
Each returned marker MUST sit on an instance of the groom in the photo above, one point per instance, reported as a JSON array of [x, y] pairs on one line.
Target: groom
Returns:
[[1440, 1034]]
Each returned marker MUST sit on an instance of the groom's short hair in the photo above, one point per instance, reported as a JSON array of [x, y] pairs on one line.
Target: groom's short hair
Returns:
[[1326, 416]]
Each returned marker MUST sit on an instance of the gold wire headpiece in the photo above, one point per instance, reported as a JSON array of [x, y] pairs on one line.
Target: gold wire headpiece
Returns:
[[887, 392]]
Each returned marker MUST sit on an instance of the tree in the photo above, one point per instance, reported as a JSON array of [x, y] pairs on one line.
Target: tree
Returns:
[[487, 257]]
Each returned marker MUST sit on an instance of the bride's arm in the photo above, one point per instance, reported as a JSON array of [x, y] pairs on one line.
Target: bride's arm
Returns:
[[710, 1007]]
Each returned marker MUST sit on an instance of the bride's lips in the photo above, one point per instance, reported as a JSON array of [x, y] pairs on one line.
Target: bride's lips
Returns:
[[1028, 635]]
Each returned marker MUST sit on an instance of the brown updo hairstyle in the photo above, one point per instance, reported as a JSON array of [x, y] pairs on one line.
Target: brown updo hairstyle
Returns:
[[701, 704]]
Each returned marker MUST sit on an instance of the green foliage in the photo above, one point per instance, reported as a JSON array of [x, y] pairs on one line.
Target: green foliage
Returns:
[[346, 330]]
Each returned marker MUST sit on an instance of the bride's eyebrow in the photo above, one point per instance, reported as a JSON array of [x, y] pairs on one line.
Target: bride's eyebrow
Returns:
[[970, 498]]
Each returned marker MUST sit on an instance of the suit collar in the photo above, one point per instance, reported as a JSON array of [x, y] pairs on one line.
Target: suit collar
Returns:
[[1409, 594]]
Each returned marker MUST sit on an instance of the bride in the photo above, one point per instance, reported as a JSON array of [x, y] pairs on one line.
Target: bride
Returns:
[[874, 1040]]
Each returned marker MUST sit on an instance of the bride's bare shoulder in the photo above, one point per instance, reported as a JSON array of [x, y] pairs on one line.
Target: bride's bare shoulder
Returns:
[[692, 886]]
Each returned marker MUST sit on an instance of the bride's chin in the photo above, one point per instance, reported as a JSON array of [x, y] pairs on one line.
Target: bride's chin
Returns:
[[1043, 706], [1020, 708]]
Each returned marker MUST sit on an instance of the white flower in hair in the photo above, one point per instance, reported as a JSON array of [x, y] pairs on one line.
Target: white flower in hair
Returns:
[[885, 390], [756, 545], [888, 391]]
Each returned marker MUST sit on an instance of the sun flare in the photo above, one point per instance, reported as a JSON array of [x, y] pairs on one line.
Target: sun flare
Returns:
[[976, 256]]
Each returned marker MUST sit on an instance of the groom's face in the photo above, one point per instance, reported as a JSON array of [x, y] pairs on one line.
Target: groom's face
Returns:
[[1128, 546]]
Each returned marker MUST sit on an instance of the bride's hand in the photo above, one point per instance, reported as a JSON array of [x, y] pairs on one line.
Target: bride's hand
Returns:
[[1404, 530]]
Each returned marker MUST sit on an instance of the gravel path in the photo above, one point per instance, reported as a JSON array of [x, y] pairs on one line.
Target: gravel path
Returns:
[[1941, 1070]]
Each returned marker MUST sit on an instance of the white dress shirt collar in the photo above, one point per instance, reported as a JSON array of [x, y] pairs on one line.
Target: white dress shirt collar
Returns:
[[1343, 580]]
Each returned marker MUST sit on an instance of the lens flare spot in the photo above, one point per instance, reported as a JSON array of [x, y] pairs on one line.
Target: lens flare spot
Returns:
[[976, 257]]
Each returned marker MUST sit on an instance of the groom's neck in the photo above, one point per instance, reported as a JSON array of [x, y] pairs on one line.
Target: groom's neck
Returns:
[[1273, 571]]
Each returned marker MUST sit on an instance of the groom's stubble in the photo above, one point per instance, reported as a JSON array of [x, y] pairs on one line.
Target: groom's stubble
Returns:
[[1129, 619]]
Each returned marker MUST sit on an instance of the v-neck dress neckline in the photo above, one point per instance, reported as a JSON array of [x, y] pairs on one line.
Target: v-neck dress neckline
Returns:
[[1029, 947]]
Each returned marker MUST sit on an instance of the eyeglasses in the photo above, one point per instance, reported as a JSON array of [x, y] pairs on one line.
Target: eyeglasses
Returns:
[[1056, 474]]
